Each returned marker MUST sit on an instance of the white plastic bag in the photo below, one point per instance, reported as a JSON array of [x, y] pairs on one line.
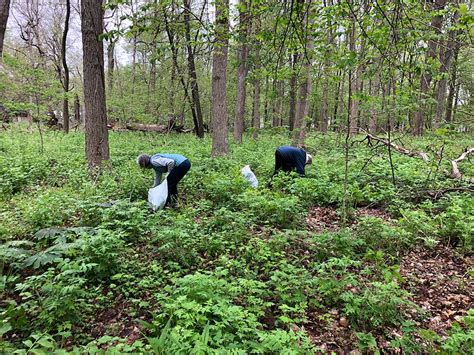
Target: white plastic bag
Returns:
[[157, 195], [249, 176]]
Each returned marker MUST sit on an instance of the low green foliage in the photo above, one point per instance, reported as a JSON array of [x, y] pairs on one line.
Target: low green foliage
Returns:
[[87, 266]]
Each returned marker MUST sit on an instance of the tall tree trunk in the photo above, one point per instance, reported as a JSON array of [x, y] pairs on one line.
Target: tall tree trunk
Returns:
[[324, 111], [77, 109], [452, 85], [293, 90], [65, 68], [174, 55], [456, 101], [243, 51], [338, 96], [265, 105], [96, 133], [420, 115], [306, 81], [198, 124], [4, 12], [256, 93], [446, 62], [172, 91], [356, 81], [220, 145], [110, 64], [152, 94], [278, 102], [374, 93]]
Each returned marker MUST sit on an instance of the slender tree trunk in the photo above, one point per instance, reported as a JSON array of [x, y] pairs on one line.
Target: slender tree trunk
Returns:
[[172, 91], [152, 96], [174, 54], [355, 82], [374, 93], [420, 115], [220, 145], [452, 86], [199, 125], [324, 111], [456, 100], [110, 64], [278, 103], [265, 105], [96, 133], [339, 88], [243, 51], [306, 83], [4, 12], [77, 109], [293, 90], [446, 62], [256, 93], [65, 68]]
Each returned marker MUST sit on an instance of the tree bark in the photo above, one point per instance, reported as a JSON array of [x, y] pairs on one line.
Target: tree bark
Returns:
[[256, 92], [277, 106], [110, 64], [243, 51], [220, 145], [198, 124], [374, 93], [4, 12], [174, 55], [338, 96], [293, 90], [452, 86], [77, 110], [420, 115], [446, 62], [324, 111], [96, 133], [306, 82], [65, 68], [356, 81]]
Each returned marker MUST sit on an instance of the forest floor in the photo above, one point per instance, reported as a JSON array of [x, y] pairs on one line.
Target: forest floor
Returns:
[[439, 280], [88, 267]]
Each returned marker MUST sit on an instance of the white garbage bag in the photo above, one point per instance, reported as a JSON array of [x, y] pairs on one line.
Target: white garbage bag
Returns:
[[157, 195], [249, 176]]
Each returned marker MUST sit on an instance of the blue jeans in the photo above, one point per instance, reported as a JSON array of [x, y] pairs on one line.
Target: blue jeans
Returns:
[[174, 177]]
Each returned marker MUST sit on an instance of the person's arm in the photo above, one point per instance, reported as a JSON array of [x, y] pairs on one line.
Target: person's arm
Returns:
[[300, 163], [161, 162], [157, 178]]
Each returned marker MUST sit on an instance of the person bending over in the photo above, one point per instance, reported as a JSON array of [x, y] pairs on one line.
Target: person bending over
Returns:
[[175, 165], [289, 158]]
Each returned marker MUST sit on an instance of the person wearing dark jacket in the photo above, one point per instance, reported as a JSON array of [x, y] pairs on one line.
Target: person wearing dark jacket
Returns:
[[175, 165], [289, 158]]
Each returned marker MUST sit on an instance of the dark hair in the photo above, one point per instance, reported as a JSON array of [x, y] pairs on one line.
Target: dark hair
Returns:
[[143, 160]]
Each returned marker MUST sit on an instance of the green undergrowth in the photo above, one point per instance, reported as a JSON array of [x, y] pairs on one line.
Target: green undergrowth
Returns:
[[235, 269]]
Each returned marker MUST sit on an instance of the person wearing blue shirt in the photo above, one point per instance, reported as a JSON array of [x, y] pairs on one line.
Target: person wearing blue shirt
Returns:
[[175, 165], [289, 158]]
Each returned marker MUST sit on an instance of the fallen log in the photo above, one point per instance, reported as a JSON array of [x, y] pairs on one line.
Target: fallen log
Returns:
[[146, 127], [455, 173], [398, 148], [140, 127]]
